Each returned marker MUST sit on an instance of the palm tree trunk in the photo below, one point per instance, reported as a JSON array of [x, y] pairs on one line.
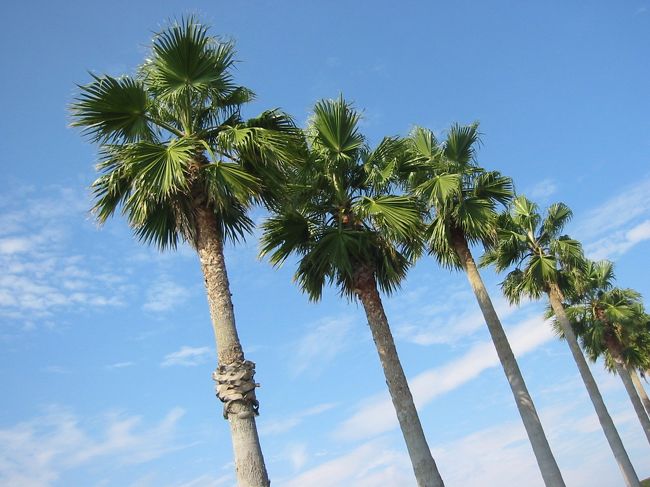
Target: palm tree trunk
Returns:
[[613, 438], [426, 472], [640, 389], [543, 454], [234, 374], [634, 397]]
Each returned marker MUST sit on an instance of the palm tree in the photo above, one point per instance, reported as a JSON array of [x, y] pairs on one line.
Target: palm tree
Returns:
[[462, 199], [607, 320], [182, 165], [347, 229], [543, 260]]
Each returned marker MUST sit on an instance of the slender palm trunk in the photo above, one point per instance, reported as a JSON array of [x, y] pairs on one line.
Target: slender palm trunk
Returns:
[[640, 389], [543, 454], [426, 472], [613, 438], [634, 397], [234, 374]]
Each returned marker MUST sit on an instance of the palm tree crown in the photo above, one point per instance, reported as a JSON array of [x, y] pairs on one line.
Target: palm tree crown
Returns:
[[542, 255], [339, 216], [462, 197], [172, 138], [608, 319]]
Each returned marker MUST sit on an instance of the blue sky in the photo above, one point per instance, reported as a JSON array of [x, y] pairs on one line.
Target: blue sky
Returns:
[[106, 347]]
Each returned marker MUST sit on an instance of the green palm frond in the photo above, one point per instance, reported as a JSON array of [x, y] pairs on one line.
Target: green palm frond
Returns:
[[335, 129], [398, 216], [187, 62], [338, 215], [461, 143], [113, 110], [491, 185], [441, 188], [173, 142], [557, 216], [284, 234]]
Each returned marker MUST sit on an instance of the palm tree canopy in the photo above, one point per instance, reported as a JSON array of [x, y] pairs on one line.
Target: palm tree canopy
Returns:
[[172, 137], [462, 197], [535, 247], [340, 212], [604, 316]]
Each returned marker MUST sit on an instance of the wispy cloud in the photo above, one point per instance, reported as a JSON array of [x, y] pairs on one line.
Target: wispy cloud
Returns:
[[376, 414], [187, 356], [619, 242], [542, 190], [165, 295], [373, 464], [119, 365], [320, 345], [42, 271], [446, 318], [36, 453], [619, 212], [274, 426]]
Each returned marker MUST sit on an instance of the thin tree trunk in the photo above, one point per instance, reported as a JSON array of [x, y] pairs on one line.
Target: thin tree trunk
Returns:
[[543, 454], [613, 438], [542, 450], [426, 472], [634, 397], [234, 374], [640, 389]]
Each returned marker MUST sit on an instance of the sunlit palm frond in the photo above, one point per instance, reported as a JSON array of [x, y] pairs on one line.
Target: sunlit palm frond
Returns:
[[111, 110]]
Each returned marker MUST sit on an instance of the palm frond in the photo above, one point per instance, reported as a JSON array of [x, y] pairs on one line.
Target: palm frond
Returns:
[[112, 110]]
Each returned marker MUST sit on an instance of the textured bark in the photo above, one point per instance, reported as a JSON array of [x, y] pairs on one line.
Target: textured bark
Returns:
[[640, 390], [613, 438], [249, 463], [426, 472], [543, 454]]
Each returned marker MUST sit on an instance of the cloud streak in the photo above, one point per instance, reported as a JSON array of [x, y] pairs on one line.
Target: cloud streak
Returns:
[[379, 417]]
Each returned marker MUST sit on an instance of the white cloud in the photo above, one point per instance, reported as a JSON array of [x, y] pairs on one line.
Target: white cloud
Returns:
[[164, 296], [14, 245], [617, 213], [320, 345], [187, 356], [119, 365], [42, 271], [373, 464], [36, 453], [619, 242], [448, 317], [376, 415], [274, 426], [542, 190]]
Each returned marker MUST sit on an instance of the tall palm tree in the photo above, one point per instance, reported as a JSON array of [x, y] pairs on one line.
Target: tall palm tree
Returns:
[[607, 320], [543, 260], [347, 229], [182, 165], [463, 200]]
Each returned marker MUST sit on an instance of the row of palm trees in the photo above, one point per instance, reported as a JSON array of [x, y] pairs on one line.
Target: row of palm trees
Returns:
[[182, 164]]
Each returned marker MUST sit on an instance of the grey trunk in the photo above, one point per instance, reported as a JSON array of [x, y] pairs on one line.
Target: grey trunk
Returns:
[[634, 397], [234, 374], [543, 454], [613, 438], [426, 472], [640, 389]]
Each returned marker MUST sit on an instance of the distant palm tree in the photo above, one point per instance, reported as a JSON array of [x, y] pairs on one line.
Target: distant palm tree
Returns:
[[182, 165], [543, 259], [462, 199], [348, 229], [607, 321]]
